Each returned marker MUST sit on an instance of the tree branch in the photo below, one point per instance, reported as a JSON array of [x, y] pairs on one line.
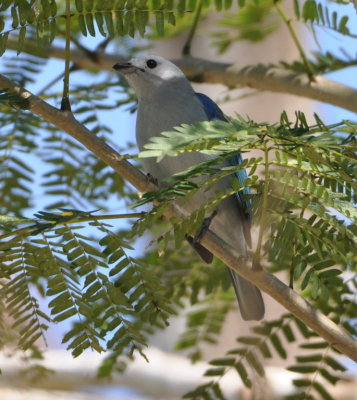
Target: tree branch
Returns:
[[267, 78], [260, 77], [332, 333]]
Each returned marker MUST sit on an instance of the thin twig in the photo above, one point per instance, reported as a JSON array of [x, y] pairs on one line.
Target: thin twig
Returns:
[[264, 209], [65, 104], [77, 220], [296, 40], [186, 50]]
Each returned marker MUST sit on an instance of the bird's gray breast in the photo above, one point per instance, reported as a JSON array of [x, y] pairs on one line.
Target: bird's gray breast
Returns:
[[163, 113]]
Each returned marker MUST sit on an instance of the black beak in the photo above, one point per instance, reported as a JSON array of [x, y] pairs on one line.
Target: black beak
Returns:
[[127, 68], [122, 66]]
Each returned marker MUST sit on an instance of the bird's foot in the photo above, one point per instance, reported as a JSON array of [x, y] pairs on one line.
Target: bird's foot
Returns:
[[205, 254], [152, 179], [205, 226]]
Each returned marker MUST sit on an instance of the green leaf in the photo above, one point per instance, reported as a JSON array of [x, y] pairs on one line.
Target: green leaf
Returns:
[[334, 364], [21, 39], [304, 330], [255, 363], [264, 349], [3, 42], [309, 11], [89, 5], [119, 18], [120, 266], [324, 264], [129, 23], [170, 18], [334, 20], [159, 16], [226, 362], [278, 346], [315, 287], [309, 276], [181, 7], [142, 19], [90, 24], [15, 18], [79, 5], [321, 390], [302, 383], [288, 333], [342, 25], [217, 391], [45, 8], [248, 340], [243, 374], [328, 376], [303, 369], [309, 358], [228, 4], [65, 315], [314, 345], [23, 12], [215, 372], [109, 23], [100, 22]]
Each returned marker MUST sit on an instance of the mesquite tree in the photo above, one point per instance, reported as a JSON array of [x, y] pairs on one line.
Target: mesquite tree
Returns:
[[77, 259]]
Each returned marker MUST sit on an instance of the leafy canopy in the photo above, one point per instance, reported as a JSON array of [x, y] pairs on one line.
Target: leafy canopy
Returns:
[[73, 263]]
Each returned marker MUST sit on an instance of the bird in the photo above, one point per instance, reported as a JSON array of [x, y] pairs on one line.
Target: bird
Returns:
[[166, 100]]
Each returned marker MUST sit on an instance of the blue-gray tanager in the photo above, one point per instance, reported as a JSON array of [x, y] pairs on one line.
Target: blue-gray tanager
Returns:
[[166, 100]]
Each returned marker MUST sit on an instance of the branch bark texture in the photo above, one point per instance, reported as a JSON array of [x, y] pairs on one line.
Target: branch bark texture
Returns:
[[260, 77], [314, 319]]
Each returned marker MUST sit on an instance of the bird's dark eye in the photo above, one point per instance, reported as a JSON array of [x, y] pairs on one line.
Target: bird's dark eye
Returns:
[[151, 63]]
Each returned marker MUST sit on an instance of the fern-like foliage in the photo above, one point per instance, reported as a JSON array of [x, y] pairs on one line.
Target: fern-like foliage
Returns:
[[323, 63], [307, 222], [318, 369], [303, 175], [270, 338], [318, 14], [204, 323], [71, 177], [44, 20], [108, 18], [253, 22], [24, 15], [69, 265], [17, 175], [20, 270], [107, 294]]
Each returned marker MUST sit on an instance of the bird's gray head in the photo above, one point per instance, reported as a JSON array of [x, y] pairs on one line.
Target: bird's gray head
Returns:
[[149, 73]]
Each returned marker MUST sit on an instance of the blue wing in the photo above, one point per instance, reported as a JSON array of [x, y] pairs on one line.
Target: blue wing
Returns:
[[211, 109], [213, 113]]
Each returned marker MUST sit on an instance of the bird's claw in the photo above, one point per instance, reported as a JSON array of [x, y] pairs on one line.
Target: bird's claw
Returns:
[[204, 228], [152, 179]]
